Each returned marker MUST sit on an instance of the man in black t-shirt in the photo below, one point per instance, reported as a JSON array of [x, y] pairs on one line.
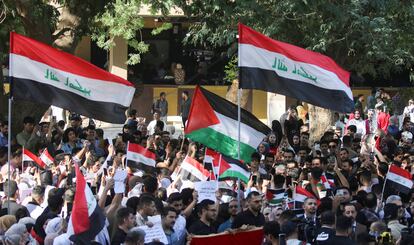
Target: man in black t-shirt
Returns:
[[252, 215], [327, 231], [343, 230], [125, 219], [204, 226]]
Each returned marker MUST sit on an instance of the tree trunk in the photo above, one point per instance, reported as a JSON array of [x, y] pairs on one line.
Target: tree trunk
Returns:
[[232, 94], [320, 119]]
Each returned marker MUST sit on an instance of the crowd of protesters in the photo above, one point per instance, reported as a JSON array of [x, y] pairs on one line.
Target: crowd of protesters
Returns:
[[353, 156]]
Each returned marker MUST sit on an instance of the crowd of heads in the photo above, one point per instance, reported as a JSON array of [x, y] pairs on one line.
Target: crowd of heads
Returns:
[[344, 170]]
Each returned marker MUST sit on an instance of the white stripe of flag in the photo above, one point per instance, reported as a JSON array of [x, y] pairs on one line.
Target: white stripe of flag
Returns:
[[138, 153]]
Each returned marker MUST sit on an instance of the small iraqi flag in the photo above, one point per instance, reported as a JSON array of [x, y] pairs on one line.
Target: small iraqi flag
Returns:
[[40, 73], [400, 178], [194, 168], [46, 157], [30, 157], [300, 195], [145, 159]]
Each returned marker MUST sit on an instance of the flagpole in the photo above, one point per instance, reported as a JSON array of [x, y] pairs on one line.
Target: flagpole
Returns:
[[9, 150], [383, 188], [218, 174], [238, 122]]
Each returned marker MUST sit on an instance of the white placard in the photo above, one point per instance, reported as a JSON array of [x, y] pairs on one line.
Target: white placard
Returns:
[[156, 219], [119, 178], [154, 233], [206, 190]]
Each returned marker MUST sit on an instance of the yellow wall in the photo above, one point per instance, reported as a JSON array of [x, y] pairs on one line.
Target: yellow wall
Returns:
[[259, 104], [172, 98]]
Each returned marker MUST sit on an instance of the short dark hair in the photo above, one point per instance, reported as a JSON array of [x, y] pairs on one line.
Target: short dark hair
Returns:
[[166, 210], [132, 112], [185, 92], [352, 128], [278, 179], [162, 93], [343, 223], [205, 203], [255, 156], [55, 199], [28, 120], [122, 214], [328, 218], [272, 228], [252, 194], [290, 151], [145, 200], [133, 203], [13, 188], [390, 211], [150, 183], [174, 197]]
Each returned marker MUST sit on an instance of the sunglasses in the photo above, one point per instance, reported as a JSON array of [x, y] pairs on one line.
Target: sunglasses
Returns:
[[332, 146], [233, 206]]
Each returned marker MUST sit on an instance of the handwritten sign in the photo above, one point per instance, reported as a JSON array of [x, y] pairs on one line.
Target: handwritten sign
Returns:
[[154, 233], [119, 178], [206, 190]]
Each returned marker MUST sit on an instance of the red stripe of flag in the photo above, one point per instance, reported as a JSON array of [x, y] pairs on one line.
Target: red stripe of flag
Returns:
[[33, 158], [80, 216], [399, 171], [250, 36], [141, 150], [34, 50], [191, 161]]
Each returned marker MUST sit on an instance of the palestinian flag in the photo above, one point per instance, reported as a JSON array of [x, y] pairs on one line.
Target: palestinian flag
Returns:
[[46, 157], [87, 218], [282, 68], [42, 74], [30, 157], [276, 196], [193, 170], [144, 158], [227, 168], [213, 122]]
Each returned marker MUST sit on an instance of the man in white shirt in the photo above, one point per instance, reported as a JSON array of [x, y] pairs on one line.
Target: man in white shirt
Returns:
[[359, 123], [153, 123]]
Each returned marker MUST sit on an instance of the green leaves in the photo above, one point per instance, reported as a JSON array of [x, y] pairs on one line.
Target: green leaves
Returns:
[[122, 19], [373, 37]]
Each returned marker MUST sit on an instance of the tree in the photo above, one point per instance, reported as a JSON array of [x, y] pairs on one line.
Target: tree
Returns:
[[365, 37]]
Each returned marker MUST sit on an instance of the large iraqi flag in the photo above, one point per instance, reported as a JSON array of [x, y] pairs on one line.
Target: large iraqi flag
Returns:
[[45, 75], [213, 122], [282, 68]]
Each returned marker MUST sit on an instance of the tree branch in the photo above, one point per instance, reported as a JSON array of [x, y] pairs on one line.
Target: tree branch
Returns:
[[61, 32]]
